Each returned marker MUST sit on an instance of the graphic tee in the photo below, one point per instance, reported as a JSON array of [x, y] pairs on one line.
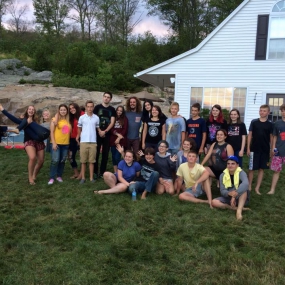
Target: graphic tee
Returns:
[[174, 127], [235, 133], [195, 130], [154, 131], [104, 114]]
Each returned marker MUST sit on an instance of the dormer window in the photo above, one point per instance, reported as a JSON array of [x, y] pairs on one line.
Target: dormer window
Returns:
[[276, 41]]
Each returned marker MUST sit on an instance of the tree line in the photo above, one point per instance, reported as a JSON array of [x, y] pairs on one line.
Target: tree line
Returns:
[[90, 43]]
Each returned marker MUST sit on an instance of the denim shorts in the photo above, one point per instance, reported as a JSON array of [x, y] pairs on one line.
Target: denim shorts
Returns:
[[199, 191]]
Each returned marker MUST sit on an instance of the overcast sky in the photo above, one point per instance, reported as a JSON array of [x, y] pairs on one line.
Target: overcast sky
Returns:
[[152, 24]]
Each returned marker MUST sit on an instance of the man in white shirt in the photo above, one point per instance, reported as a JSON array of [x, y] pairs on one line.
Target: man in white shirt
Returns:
[[87, 125]]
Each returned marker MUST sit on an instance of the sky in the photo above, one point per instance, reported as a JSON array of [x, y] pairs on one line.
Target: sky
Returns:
[[147, 23]]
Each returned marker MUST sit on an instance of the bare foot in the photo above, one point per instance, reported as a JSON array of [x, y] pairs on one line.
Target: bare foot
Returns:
[[246, 209], [239, 215], [97, 192], [270, 192], [143, 196], [257, 192]]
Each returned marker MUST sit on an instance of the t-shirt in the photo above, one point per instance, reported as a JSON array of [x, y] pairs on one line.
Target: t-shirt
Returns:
[[89, 124], [147, 169], [154, 131], [134, 120], [261, 132], [212, 129], [62, 132], [195, 130], [190, 176], [279, 131], [104, 114], [235, 133], [174, 127], [129, 172]]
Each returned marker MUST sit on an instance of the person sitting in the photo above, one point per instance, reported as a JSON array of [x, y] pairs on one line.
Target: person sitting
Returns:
[[196, 179], [234, 188], [167, 165], [217, 155], [119, 182], [146, 182]]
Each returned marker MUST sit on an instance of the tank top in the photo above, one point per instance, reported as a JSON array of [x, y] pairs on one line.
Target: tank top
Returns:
[[219, 157]]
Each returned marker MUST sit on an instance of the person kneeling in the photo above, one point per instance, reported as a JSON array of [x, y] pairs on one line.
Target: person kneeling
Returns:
[[234, 188], [196, 179]]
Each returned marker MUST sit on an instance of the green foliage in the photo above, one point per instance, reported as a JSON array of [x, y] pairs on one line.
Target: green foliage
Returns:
[[22, 81], [205, 113]]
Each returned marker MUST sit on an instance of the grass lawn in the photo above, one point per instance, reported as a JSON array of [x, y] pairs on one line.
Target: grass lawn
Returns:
[[64, 234]]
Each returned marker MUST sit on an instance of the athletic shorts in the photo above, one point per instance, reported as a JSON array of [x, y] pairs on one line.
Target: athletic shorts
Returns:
[[258, 160], [276, 164], [199, 191], [88, 152], [227, 200], [37, 145]]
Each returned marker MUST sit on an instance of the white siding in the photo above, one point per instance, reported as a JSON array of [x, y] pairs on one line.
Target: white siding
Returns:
[[227, 60]]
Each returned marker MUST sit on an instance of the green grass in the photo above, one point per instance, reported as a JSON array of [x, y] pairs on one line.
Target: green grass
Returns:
[[64, 234]]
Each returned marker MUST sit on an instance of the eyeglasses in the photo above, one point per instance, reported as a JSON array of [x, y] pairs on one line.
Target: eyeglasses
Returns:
[[164, 146]]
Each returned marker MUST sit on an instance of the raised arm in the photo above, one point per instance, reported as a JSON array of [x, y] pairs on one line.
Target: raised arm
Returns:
[[10, 116]]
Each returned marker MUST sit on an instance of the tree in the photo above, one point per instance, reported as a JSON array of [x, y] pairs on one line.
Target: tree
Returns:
[[50, 14], [17, 12], [184, 17], [4, 4], [106, 17], [124, 10]]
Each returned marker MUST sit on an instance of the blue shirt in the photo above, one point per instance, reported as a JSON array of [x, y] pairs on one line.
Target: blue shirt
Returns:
[[129, 172]]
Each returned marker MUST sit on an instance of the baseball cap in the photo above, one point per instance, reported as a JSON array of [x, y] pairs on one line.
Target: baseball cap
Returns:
[[234, 158]]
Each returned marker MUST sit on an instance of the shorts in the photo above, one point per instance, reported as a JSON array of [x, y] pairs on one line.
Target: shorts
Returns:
[[216, 172], [37, 145], [199, 191], [227, 200], [276, 164], [258, 160], [88, 152]]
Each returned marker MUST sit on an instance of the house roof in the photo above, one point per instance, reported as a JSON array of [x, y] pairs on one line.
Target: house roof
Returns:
[[152, 74]]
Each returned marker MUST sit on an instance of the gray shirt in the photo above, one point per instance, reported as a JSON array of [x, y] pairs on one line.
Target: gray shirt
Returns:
[[243, 185], [279, 132], [134, 124]]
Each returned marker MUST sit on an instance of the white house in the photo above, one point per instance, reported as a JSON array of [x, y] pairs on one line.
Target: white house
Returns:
[[241, 64]]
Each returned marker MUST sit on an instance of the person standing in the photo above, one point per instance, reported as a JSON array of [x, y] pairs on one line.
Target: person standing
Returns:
[[259, 141], [215, 122], [118, 135], [60, 130], [154, 129], [175, 129], [87, 126], [196, 128], [34, 149], [236, 134], [134, 114], [106, 114], [278, 158]]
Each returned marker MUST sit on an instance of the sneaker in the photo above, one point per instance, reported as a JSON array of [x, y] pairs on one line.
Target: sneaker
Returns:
[[92, 181], [82, 181], [59, 179], [50, 181]]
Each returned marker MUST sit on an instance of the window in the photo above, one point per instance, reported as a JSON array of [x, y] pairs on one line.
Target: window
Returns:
[[277, 32], [228, 98]]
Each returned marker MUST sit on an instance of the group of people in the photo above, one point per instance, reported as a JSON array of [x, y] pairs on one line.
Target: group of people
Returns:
[[160, 154]]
